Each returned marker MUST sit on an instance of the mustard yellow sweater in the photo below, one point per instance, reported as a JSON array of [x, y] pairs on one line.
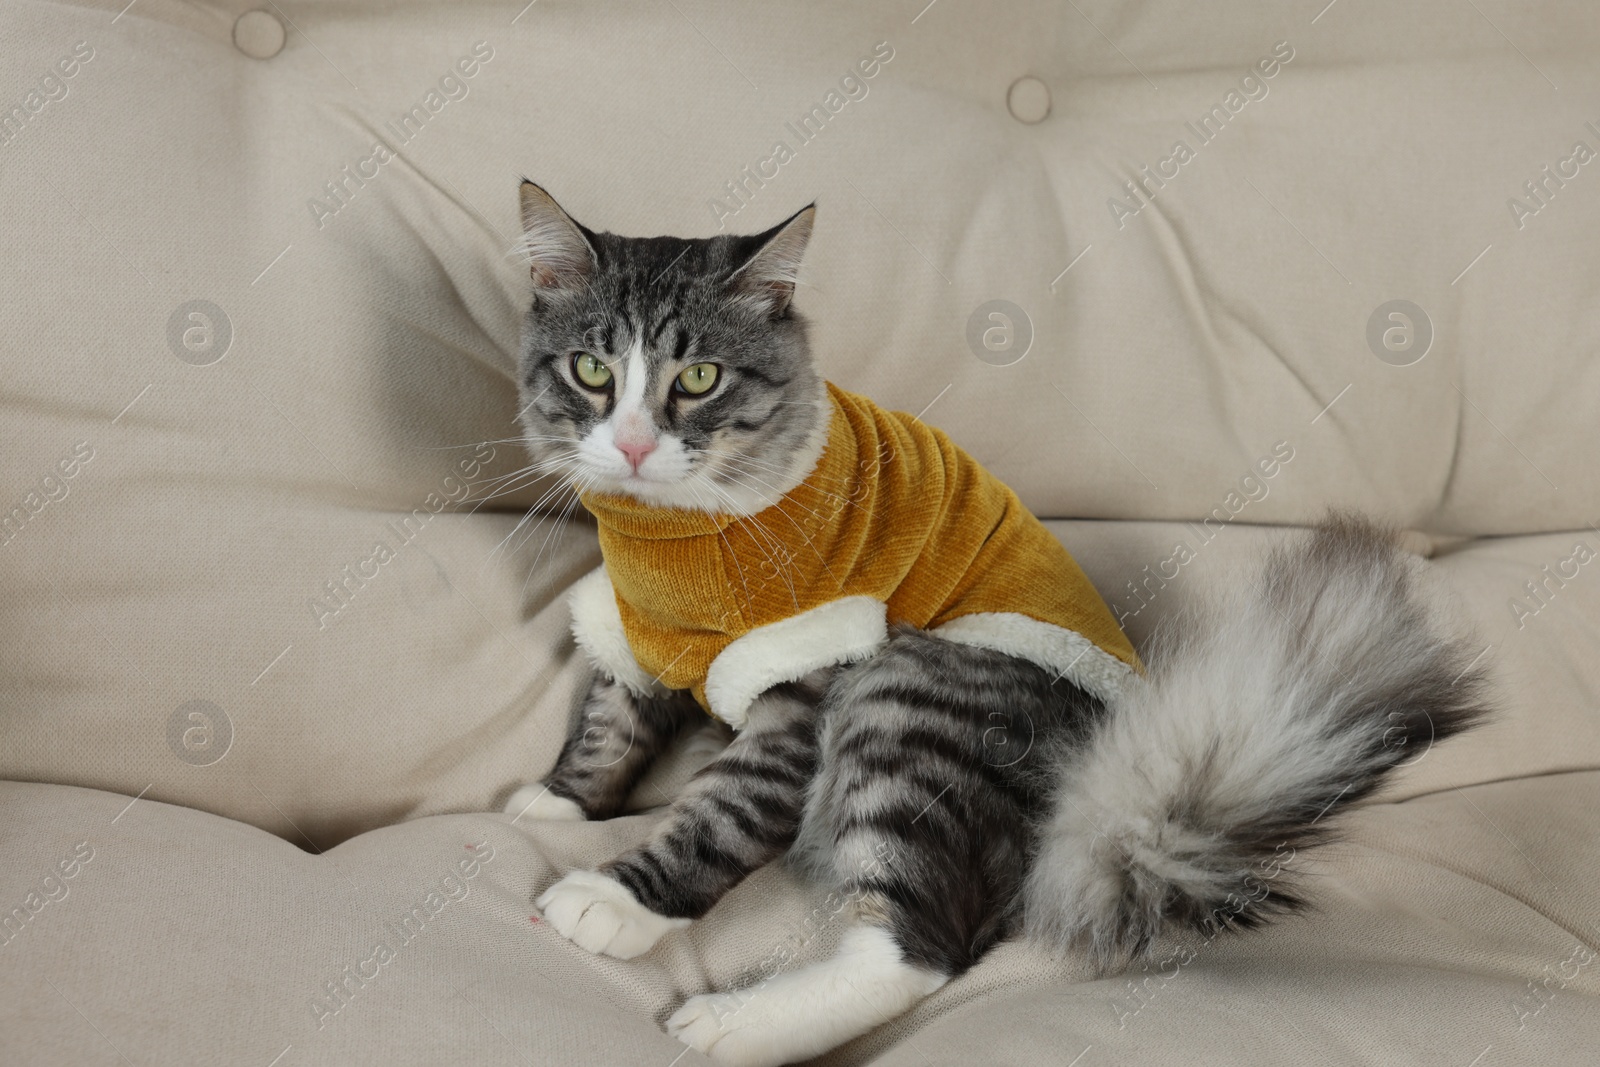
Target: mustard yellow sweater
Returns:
[[895, 524]]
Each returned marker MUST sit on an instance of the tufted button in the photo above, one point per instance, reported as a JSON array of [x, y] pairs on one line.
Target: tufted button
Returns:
[[1028, 100], [258, 34]]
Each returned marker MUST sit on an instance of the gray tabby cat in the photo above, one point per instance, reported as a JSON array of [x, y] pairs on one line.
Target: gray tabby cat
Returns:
[[1178, 806]]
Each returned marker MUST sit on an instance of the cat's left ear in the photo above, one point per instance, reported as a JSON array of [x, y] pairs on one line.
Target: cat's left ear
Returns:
[[557, 250], [770, 273]]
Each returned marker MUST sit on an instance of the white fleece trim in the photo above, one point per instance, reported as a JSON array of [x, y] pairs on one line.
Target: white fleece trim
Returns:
[[1064, 652], [840, 631], [597, 627]]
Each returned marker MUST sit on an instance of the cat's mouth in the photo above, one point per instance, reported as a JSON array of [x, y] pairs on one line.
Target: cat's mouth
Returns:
[[721, 475], [640, 481], [668, 481], [711, 481], [603, 461]]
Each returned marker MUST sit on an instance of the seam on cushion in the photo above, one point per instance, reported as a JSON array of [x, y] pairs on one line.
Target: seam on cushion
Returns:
[[1476, 879], [1488, 824], [1380, 803], [1453, 469]]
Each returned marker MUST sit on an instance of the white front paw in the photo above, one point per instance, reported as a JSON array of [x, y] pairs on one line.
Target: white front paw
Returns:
[[727, 1027], [598, 913], [537, 802]]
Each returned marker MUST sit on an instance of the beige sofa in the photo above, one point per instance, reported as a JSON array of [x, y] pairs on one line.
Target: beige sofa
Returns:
[[270, 662]]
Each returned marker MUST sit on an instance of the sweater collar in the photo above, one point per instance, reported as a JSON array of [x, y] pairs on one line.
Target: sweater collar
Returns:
[[632, 517]]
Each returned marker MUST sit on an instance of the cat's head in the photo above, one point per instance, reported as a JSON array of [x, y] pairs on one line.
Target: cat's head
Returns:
[[671, 370]]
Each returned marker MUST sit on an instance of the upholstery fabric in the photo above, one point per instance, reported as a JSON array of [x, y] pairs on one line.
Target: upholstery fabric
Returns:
[[263, 533], [221, 544], [192, 938]]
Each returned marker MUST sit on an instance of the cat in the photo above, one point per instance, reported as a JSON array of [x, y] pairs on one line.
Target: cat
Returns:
[[954, 788]]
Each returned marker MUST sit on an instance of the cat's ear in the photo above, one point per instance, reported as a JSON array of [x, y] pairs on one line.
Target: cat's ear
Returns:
[[556, 249], [769, 275]]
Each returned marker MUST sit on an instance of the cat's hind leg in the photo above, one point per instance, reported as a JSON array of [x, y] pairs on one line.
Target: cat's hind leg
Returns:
[[924, 790], [796, 1016]]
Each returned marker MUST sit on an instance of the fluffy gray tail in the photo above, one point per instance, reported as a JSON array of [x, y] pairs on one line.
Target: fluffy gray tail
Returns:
[[1257, 723]]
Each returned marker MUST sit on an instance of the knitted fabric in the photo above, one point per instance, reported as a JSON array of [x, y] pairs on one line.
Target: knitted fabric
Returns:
[[894, 512]]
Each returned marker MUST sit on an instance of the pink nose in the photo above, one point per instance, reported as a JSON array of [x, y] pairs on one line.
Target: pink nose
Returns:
[[636, 451]]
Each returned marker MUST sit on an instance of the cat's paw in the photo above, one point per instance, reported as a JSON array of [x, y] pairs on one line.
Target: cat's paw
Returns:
[[537, 802], [730, 1029], [797, 1015], [598, 913]]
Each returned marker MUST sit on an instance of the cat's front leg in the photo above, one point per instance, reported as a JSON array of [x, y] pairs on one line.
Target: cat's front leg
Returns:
[[737, 813], [615, 739]]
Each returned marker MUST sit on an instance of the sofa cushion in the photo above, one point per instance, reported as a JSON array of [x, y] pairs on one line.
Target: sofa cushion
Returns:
[[260, 328], [1448, 924]]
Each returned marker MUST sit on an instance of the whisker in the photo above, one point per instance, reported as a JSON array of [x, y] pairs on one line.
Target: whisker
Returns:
[[528, 474], [558, 530], [480, 444], [749, 524], [734, 458], [531, 513], [806, 538]]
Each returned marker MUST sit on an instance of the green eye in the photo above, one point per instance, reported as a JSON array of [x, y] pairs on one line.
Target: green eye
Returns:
[[590, 371], [698, 379]]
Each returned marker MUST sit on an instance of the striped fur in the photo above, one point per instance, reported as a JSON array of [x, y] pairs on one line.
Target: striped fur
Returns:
[[739, 812], [929, 781], [955, 796], [648, 308], [952, 794], [615, 739]]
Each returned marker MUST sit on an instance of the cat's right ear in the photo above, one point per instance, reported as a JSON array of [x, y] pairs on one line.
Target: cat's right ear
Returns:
[[771, 272], [556, 249]]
